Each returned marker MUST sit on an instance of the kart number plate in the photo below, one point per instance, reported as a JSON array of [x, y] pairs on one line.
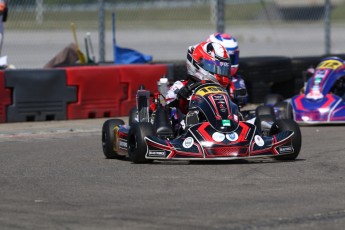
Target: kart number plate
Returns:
[[209, 89], [330, 64]]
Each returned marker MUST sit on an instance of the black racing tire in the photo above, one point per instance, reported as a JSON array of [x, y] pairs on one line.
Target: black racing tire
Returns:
[[133, 113], [137, 147], [285, 109], [257, 62], [264, 110], [300, 64], [267, 69], [272, 99], [284, 125], [258, 123], [108, 138]]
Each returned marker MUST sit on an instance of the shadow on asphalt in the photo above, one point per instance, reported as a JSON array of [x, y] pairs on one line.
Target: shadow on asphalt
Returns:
[[214, 162]]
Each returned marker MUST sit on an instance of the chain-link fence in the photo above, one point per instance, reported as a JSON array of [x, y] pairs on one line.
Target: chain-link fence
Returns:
[[37, 30]]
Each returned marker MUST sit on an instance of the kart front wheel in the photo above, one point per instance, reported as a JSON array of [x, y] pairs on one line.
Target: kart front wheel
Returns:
[[108, 138], [264, 110], [136, 141], [264, 123], [285, 110], [284, 125]]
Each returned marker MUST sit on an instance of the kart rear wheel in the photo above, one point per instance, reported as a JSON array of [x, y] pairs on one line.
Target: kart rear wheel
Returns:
[[284, 125], [133, 116], [136, 141], [108, 138]]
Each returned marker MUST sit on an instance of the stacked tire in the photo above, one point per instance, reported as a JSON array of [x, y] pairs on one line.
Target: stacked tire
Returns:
[[261, 73]]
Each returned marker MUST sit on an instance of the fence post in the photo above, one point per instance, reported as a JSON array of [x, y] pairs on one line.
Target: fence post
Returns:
[[217, 14], [101, 30], [327, 26], [39, 12]]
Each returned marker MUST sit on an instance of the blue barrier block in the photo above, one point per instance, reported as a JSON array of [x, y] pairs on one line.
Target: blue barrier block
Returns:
[[38, 95]]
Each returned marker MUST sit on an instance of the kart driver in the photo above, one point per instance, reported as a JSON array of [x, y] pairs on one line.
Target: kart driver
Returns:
[[236, 83], [207, 61]]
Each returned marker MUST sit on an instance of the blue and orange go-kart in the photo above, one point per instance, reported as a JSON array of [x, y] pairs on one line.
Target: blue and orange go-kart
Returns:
[[323, 99], [213, 130]]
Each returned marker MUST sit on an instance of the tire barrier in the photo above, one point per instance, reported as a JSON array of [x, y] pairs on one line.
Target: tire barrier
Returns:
[[267, 69], [5, 97], [81, 92], [179, 70], [173, 68], [38, 95], [132, 77], [260, 73], [97, 92], [109, 91]]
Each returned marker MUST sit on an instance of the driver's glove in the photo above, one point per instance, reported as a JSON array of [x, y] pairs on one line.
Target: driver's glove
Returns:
[[185, 92]]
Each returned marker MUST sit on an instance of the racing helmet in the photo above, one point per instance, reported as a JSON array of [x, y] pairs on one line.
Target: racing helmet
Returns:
[[209, 61], [231, 45], [2, 6]]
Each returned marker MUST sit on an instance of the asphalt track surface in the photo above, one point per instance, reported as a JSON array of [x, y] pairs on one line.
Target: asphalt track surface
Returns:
[[53, 175]]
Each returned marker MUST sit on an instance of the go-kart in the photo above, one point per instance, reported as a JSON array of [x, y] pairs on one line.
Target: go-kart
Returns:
[[323, 99], [213, 129]]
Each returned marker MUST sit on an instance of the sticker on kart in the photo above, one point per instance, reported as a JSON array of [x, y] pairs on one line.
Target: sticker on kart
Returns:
[[329, 64], [209, 89]]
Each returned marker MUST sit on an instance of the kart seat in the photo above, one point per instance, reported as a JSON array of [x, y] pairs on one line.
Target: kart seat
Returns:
[[162, 124]]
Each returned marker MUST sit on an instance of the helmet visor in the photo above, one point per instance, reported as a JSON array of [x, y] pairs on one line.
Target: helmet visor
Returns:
[[234, 57], [216, 67]]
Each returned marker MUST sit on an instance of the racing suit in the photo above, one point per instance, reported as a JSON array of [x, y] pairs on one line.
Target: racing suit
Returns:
[[237, 83], [177, 98]]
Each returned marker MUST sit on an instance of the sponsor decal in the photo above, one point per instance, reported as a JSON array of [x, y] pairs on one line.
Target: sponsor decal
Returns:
[[183, 124], [320, 72], [259, 141], [219, 137], [235, 117], [226, 123], [156, 153], [285, 149], [232, 136], [315, 93], [222, 107], [223, 63], [218, 97], [330, 64], [209, 89], [123, 144], [188, 142], [317, 80]]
